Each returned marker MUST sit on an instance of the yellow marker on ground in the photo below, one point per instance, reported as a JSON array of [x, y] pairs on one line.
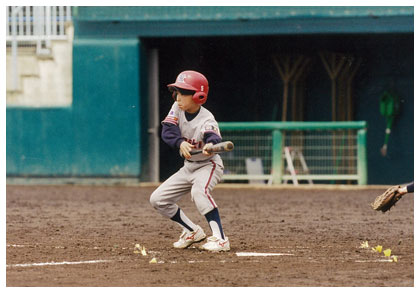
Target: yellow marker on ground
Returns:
[[364, 244], [143, 251], [394, 258], [387, 252], [153, 260], [378, 248]]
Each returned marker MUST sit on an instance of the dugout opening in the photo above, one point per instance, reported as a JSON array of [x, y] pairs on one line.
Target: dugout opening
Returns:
[[245, 84]]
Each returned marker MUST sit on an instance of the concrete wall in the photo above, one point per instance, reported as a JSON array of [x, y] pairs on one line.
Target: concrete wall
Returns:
[[43, 80], [99, 134]]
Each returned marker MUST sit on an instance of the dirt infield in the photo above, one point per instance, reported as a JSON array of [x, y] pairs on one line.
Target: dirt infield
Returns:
[[318, 233]]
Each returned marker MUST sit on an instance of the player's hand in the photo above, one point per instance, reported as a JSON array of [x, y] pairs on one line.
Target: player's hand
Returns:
[[206, 146], [185, 149], [402, 190]]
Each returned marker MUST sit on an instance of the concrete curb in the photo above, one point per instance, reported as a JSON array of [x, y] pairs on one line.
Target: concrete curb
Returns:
[[133, 182]]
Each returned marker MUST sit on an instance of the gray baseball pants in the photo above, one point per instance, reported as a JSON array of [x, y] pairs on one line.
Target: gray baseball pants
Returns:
[[199, 178]]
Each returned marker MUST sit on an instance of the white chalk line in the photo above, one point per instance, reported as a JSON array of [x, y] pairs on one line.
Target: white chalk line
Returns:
[[262, 254], [376, 260], [58, 247], [31, 246], [57, 263]]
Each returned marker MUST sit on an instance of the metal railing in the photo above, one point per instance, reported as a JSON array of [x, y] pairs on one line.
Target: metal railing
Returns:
[[34, 26], [33, 23], [284, 151]]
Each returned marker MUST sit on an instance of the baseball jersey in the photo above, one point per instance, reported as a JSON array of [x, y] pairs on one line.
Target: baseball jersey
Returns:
[[195, 130]]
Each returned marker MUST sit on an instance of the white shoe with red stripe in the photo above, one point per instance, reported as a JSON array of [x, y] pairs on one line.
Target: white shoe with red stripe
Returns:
[[189, 237], [216, 244]]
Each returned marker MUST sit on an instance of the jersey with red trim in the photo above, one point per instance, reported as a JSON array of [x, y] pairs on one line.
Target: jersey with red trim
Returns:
[[193, 131]]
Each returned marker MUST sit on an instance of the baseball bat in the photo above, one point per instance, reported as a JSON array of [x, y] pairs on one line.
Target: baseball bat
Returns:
[[222, 147]]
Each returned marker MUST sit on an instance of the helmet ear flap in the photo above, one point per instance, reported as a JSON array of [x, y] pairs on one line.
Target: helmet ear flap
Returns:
[[199, 98]]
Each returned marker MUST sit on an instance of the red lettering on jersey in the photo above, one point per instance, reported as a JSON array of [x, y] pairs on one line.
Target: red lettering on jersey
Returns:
[[196, 144]]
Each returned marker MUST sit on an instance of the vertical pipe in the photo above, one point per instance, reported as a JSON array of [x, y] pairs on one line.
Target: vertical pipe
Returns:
[[277, 156], [21, 33], [48, 26], [28, 20], [14, 50], [153, 103], [41, 20], [37, 27], [285, 95], [8, 20], [68, 13], [61, 19], [361, 157], [54, 20]]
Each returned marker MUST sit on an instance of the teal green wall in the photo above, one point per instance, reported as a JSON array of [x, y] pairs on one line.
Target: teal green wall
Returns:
[[39, 141], [99, 135], [221, 13], [173, 21]]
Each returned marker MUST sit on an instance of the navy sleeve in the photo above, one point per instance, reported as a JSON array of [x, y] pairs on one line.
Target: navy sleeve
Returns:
[[171, 135], [410, 187], [211, 137]]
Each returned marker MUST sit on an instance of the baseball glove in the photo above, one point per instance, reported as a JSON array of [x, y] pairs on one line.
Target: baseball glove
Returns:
[[387, 200]]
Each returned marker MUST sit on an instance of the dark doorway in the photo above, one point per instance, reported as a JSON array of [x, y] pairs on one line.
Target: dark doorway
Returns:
[[245, 85]]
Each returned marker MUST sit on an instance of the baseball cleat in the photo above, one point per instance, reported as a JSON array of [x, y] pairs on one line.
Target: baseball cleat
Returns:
[[215, 244], [189, 237]]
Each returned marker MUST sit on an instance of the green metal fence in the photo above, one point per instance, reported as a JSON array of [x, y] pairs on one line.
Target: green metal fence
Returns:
[[296, 151]]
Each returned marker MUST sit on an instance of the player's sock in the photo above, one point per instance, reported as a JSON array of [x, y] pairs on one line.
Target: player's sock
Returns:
[[183, 220], [215, 224]]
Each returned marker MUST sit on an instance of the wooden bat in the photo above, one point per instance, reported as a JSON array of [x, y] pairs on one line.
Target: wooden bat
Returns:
[[222, 147]]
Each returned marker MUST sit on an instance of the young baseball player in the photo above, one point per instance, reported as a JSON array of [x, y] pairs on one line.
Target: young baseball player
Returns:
[[191, 129]]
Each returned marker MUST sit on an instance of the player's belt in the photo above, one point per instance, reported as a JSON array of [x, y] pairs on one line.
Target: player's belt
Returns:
[[198, 161]]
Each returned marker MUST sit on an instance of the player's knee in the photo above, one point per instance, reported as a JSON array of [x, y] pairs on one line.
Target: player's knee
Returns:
[[154, 200], [196, 191]]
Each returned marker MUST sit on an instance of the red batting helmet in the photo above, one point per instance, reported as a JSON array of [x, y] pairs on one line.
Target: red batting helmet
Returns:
[[193, 81]]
